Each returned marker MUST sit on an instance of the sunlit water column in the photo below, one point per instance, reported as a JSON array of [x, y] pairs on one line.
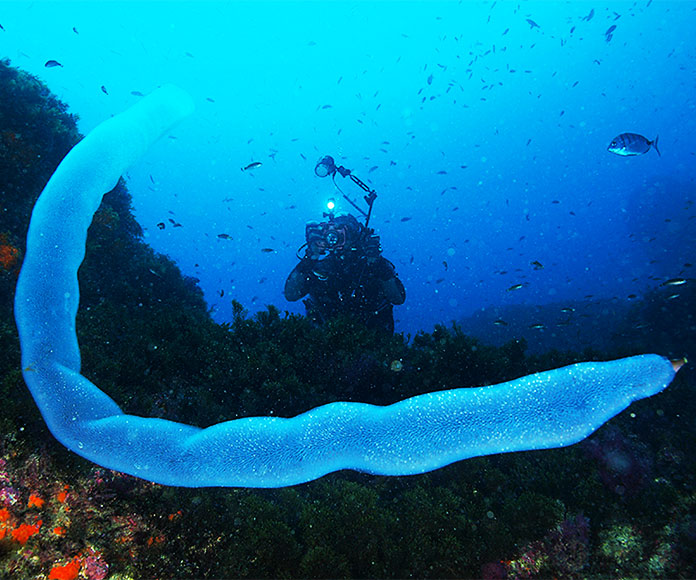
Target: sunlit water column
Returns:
[[419, 434]]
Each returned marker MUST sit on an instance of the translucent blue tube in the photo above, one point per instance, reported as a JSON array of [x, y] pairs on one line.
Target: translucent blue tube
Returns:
[[549, 409]]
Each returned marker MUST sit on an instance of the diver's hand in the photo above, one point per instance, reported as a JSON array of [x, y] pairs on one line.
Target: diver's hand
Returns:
[[321, 269]]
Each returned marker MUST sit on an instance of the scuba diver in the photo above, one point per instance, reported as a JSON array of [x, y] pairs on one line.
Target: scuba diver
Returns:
[[343, 270]]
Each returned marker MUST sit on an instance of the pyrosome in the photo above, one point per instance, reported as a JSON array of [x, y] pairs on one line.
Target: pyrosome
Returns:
[[549, 409]]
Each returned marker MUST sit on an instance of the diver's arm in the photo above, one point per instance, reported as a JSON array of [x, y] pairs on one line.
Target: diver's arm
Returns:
[[394, 290], [392, 287], [298, 282]]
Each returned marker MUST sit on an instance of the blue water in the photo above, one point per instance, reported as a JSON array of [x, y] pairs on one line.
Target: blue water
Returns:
[[488, 132]]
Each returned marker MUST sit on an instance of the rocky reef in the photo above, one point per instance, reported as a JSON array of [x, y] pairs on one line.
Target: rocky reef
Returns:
[[621, 504]]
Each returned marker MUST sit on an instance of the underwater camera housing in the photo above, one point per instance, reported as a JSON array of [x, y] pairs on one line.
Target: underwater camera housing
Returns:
[[330, 236], [342, 234]]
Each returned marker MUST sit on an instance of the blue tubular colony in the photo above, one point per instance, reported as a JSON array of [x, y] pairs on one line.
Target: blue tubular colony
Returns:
[[549, 409]]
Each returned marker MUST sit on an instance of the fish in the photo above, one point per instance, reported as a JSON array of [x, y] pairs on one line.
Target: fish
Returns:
[[500, 322], [137, 94], [103, 88], [52, 63], [674, 282], [537, 264], [532, 24], [629, 144], [515, 287], [225, 236], [537, 326], [161, 225], [267, 250], [406, 219], [252, 165]]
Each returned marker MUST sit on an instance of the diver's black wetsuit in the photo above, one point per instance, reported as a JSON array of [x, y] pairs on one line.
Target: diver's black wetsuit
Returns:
[[348, 283]]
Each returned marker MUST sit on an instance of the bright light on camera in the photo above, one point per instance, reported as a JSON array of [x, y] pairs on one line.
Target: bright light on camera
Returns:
[[331, 204]]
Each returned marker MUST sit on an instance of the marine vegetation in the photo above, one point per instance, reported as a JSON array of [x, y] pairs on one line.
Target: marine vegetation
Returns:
[[620, 504]]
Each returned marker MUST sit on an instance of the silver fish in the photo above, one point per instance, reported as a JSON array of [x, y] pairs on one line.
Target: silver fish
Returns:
[[628, 144]]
